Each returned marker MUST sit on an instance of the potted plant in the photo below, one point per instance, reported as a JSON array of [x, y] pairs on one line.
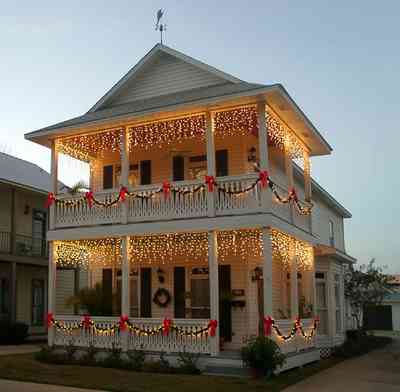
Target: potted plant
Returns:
[[263, 356]]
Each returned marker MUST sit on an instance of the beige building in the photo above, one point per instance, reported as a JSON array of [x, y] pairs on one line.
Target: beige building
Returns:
[[23, 247], [198, 213]]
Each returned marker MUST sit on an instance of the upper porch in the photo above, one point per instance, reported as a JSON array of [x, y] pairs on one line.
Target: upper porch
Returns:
[[235, 160]]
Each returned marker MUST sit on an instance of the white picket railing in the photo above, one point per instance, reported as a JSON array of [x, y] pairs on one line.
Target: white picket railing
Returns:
[[239, 203], [150, 204], [190, 202], [298, 342], [81, 214], [174, 342]]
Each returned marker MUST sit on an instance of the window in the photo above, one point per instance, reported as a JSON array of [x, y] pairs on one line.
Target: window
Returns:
[[4, 296], [133, 177], [338, 307], [200, 293], [39, 226], [322, 303], [197, 167], [331, 234], [37, 302]]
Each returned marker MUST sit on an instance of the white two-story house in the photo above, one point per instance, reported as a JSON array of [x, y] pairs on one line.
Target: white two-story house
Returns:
[[198, 220]]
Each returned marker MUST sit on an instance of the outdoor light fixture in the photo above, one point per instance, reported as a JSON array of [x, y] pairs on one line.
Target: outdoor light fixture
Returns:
[[252, 155], [256, 274]]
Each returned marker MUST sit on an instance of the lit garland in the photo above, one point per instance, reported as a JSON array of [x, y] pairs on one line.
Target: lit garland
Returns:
[[124, 324], [297, 328]]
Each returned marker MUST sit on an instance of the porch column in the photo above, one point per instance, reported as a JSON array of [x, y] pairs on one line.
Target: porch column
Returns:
[[289, 172], [125, 295], [263, 150], [267, 272], [13, 291], [294, 294], [210, 161], [214, 288], [51, 302], [307, 176], [313, 288], [124, 181], [54, 182]]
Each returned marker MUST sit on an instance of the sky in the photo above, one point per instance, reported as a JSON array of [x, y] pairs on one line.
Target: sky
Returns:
[[339, 60]]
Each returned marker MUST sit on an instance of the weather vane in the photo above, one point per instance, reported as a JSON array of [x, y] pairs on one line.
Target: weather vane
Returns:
[[161, 27]]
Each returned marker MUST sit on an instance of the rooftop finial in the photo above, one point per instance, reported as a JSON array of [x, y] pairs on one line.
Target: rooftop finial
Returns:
[[161, 27]]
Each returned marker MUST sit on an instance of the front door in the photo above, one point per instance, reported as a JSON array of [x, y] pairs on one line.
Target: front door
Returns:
[[225, 307]]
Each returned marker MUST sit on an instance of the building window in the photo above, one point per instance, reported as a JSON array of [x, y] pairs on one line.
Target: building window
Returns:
[[338, 307], [37, 302], [39, 227], [200, 293], [4, 297], [331, 234], [322, 303]]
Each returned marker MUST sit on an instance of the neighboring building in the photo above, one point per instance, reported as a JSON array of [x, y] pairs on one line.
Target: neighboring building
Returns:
[[185, 222], [23, 247]]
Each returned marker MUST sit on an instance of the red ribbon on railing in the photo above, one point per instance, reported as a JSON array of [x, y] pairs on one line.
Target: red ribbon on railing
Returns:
[[89, 198], [87, 321], [122, 193], [210, 181], [268, 322], [123, 321], [298, 323], [293, 195], [50, 320], [264, 178], [166, 188], [166, 326], [212, 327], [50, 200]]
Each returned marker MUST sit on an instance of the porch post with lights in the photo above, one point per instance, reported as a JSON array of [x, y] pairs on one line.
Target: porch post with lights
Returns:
[[125, 295], [263, 151], [289, 173], [54, 182], [214, 288], [211, 171], [51, 300], [124, 170], [294, 294], [267, 272]]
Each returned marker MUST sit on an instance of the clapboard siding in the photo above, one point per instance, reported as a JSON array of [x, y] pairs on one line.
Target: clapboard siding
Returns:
[[165, 75], [64, 290]]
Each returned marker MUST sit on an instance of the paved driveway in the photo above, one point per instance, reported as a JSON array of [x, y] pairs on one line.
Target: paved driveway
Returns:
[[376, 371], [21, 349]]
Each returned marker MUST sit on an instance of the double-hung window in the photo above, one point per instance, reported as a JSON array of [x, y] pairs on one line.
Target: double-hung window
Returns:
[[322, 303]]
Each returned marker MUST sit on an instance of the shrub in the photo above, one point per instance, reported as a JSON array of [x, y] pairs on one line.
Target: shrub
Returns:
[[13, 332], [114, 358], [136, 358], [262, 355], [160, 366], [89, 357], [70, 350], [188, 363]]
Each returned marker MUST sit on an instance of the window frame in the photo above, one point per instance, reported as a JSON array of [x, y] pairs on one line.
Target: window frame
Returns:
[[325, 308], [39, 322]]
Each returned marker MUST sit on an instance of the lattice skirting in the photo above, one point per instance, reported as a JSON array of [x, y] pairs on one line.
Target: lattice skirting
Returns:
[[325, 352]]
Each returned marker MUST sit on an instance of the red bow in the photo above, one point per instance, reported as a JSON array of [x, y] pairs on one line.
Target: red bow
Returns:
[[254, 130], [293, 195], [212, 327], [86, 322], [122, 193], [298, 323], [166, 326], [166, 187], [50, 320], [89, 197], [268, 322], [50, 200], [123, 321], [210, 181], [263, 178]]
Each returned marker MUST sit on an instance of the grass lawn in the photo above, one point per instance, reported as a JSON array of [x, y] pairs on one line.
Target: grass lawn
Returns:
[[24, 367]]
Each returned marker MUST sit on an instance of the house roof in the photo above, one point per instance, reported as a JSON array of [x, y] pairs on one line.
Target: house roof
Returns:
[[18, 172], [225, 88]]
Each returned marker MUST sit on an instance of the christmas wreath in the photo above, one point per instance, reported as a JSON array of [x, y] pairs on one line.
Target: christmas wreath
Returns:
[[162, 297]]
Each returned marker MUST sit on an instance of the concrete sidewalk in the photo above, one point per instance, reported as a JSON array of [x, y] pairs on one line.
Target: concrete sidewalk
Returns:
[[16, 386], [376, 371]]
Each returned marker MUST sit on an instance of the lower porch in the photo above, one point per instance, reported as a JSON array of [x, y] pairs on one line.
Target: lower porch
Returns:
[[205, 293]]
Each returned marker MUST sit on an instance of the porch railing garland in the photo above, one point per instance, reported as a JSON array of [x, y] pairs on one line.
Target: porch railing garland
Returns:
[[124, 324], [270, 324], [210, 182]]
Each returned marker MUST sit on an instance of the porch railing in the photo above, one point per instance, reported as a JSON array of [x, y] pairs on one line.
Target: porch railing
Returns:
[[297, 343], [22, 245], [174, 342], [241, 195]]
